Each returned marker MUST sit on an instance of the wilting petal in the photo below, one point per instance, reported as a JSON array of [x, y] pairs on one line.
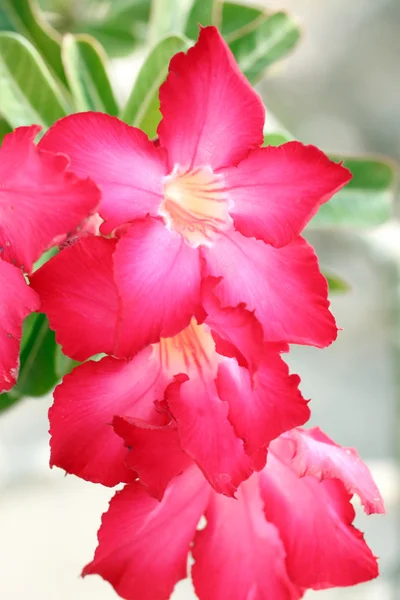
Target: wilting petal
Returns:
[[83, 441], [276, 191], [239, 555], [283, 286], [158, 278], [119, 158], [314, 453], [211, 115], [144, 544], [79, 296], [155, 453], [314, 520], [17, 301], [39, 200], [264, 405], [207, 436], [236, 331]]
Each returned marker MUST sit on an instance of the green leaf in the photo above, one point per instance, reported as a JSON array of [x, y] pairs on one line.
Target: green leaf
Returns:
[[203, 12], [336, 284], [63, 364], [4, 129], [264, 42], [168, 17], [275, 139], [28, 91], [237, 16], [26, 18], [367, 199], [143, 108], [84, 63]]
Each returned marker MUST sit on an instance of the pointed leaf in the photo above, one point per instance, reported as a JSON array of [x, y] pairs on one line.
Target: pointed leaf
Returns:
[[336, 284], [84, 63], [28, 91], [203, 12]]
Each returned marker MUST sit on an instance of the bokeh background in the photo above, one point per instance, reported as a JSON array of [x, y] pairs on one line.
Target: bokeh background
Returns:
[[340, 90]]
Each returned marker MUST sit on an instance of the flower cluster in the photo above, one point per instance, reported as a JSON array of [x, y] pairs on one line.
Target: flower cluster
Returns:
[[182, 266]]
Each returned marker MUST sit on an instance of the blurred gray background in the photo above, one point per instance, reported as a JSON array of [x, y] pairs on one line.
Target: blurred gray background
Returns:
[[340, 90]]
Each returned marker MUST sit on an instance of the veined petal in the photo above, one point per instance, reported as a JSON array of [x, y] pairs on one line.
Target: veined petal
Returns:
[[276, 191], [211, 115], [239, 554], [121, 159], [39, 199], [283, 286], [17, 301], [264, 405], [158, 279], [78, 294], [314, 520], [144, 544], [312, 452], [83, 441]]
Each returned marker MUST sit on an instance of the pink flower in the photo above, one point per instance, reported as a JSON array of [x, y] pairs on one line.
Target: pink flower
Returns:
[[290, 528], [206, 201], [228, 392], [39, 201]]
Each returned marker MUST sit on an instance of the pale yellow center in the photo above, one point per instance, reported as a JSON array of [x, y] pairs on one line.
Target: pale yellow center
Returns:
[[195, 204]]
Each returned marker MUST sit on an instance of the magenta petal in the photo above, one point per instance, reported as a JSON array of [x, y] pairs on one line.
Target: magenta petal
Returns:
[[17, 301], [83, 441], [119, 158], [78, 294], [39, 200], [276, 191], [239, 554], [158, 278], [144, 544], [211, 114], [283, 286]]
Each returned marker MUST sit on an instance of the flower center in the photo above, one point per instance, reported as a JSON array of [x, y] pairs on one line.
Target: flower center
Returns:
[[195, 204], [192, 351]]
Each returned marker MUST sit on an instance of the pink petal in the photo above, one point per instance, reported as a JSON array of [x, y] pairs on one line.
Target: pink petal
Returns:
[[39, 200], [314, 453], [79, 296], [155, 452], [283, 286], [144, 544], [239, 555], [207, 436], [121, 159], [83, 441], [314, 520], [211, 115], [17, 301], [158, 278], [276, 191], [265, 405]]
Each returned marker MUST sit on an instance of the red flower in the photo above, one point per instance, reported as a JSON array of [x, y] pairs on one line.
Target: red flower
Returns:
[[206, 201], [290, 528], [39, 201]]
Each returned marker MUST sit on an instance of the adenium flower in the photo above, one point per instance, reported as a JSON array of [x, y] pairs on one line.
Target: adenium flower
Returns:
[[206, 200], [39, 201], [235, 391], [289, 529]]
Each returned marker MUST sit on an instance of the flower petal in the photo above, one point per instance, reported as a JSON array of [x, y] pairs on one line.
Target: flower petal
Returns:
[[211, 115], [265, 405], [17, 301], [276, 191], [120, 159], [144, 544], [314, 453], [158, 278], [314, 520], [283, 286], [239, 554], [78, 294], [207, 436], [83, 441], [39, 200]]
